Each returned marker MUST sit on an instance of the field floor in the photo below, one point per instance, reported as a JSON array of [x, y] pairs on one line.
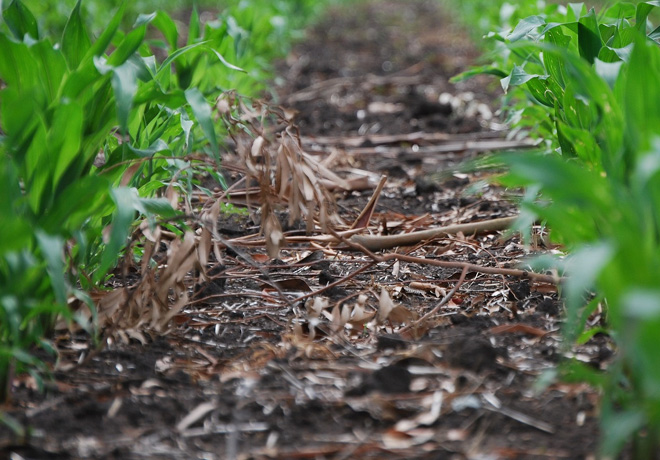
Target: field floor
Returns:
[[264, 365]]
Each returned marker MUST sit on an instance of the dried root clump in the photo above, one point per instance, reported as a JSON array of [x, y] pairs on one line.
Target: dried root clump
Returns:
[[270, 149]]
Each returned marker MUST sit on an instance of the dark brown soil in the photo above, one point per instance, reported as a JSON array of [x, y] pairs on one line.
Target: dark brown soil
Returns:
[[248, 375]]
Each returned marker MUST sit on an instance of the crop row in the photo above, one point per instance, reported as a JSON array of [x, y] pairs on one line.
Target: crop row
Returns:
[[586, 85]]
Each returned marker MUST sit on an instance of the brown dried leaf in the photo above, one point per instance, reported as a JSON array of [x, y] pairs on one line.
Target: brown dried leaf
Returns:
[[359, 316], [127, 176], [385, 305], [273, 234], [111, 302], [172, 195], [210, 219], [338, 319], [426, 418], [428, 287], [395, 313], [316, 306], [181, 259], [195, 415], [518, 328]]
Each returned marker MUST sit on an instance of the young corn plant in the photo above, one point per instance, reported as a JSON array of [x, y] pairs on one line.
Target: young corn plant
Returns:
[[596, 78]]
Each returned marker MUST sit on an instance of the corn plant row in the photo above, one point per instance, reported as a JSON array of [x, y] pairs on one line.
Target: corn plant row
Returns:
[[96, 133], [587, 85]]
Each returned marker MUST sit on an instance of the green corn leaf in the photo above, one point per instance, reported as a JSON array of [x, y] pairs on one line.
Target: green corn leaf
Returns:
[[538, 88], [52, 248], [101, 43], [85, 78], [38, 165], [589, 41], [193, 26], [643, 10], [553, 63], [12, 314], [644, 359], [17, 65], [575, 11], [607, 32], [178, 53], [587, 335], [578, 110], [517, 77], [51, 66], [202, 112], [481, 70], [186, 126], [80, 201], [167, 27], [526, 26], [647, 172], [620, 10], [75, 41], [128, 46], [576, 371], [568, 26], [151, 93], [18, 122], [655, 34], [576, 325], [607, 54], [225, 63], [642, 304], [156, 147], [567, 147], [608, 71], [17, 428], [618, 427], [584, 267], [124, 84], [120, 229], [23, 355], [640, 96], [580, 143], [147, 65], [20, 21], [144, 19], [588, 86], [127, 202], [64, 138], [623, 37], [566, 182], [14, 220], [155, 207]]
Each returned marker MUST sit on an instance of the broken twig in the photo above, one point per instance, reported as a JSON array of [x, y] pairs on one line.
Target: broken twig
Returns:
[[378, 242]]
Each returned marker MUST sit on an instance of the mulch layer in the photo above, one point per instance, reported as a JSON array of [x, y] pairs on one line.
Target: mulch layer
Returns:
[[268, 365]]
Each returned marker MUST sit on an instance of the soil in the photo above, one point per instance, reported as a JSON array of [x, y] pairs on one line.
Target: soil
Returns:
[[246, 374]]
